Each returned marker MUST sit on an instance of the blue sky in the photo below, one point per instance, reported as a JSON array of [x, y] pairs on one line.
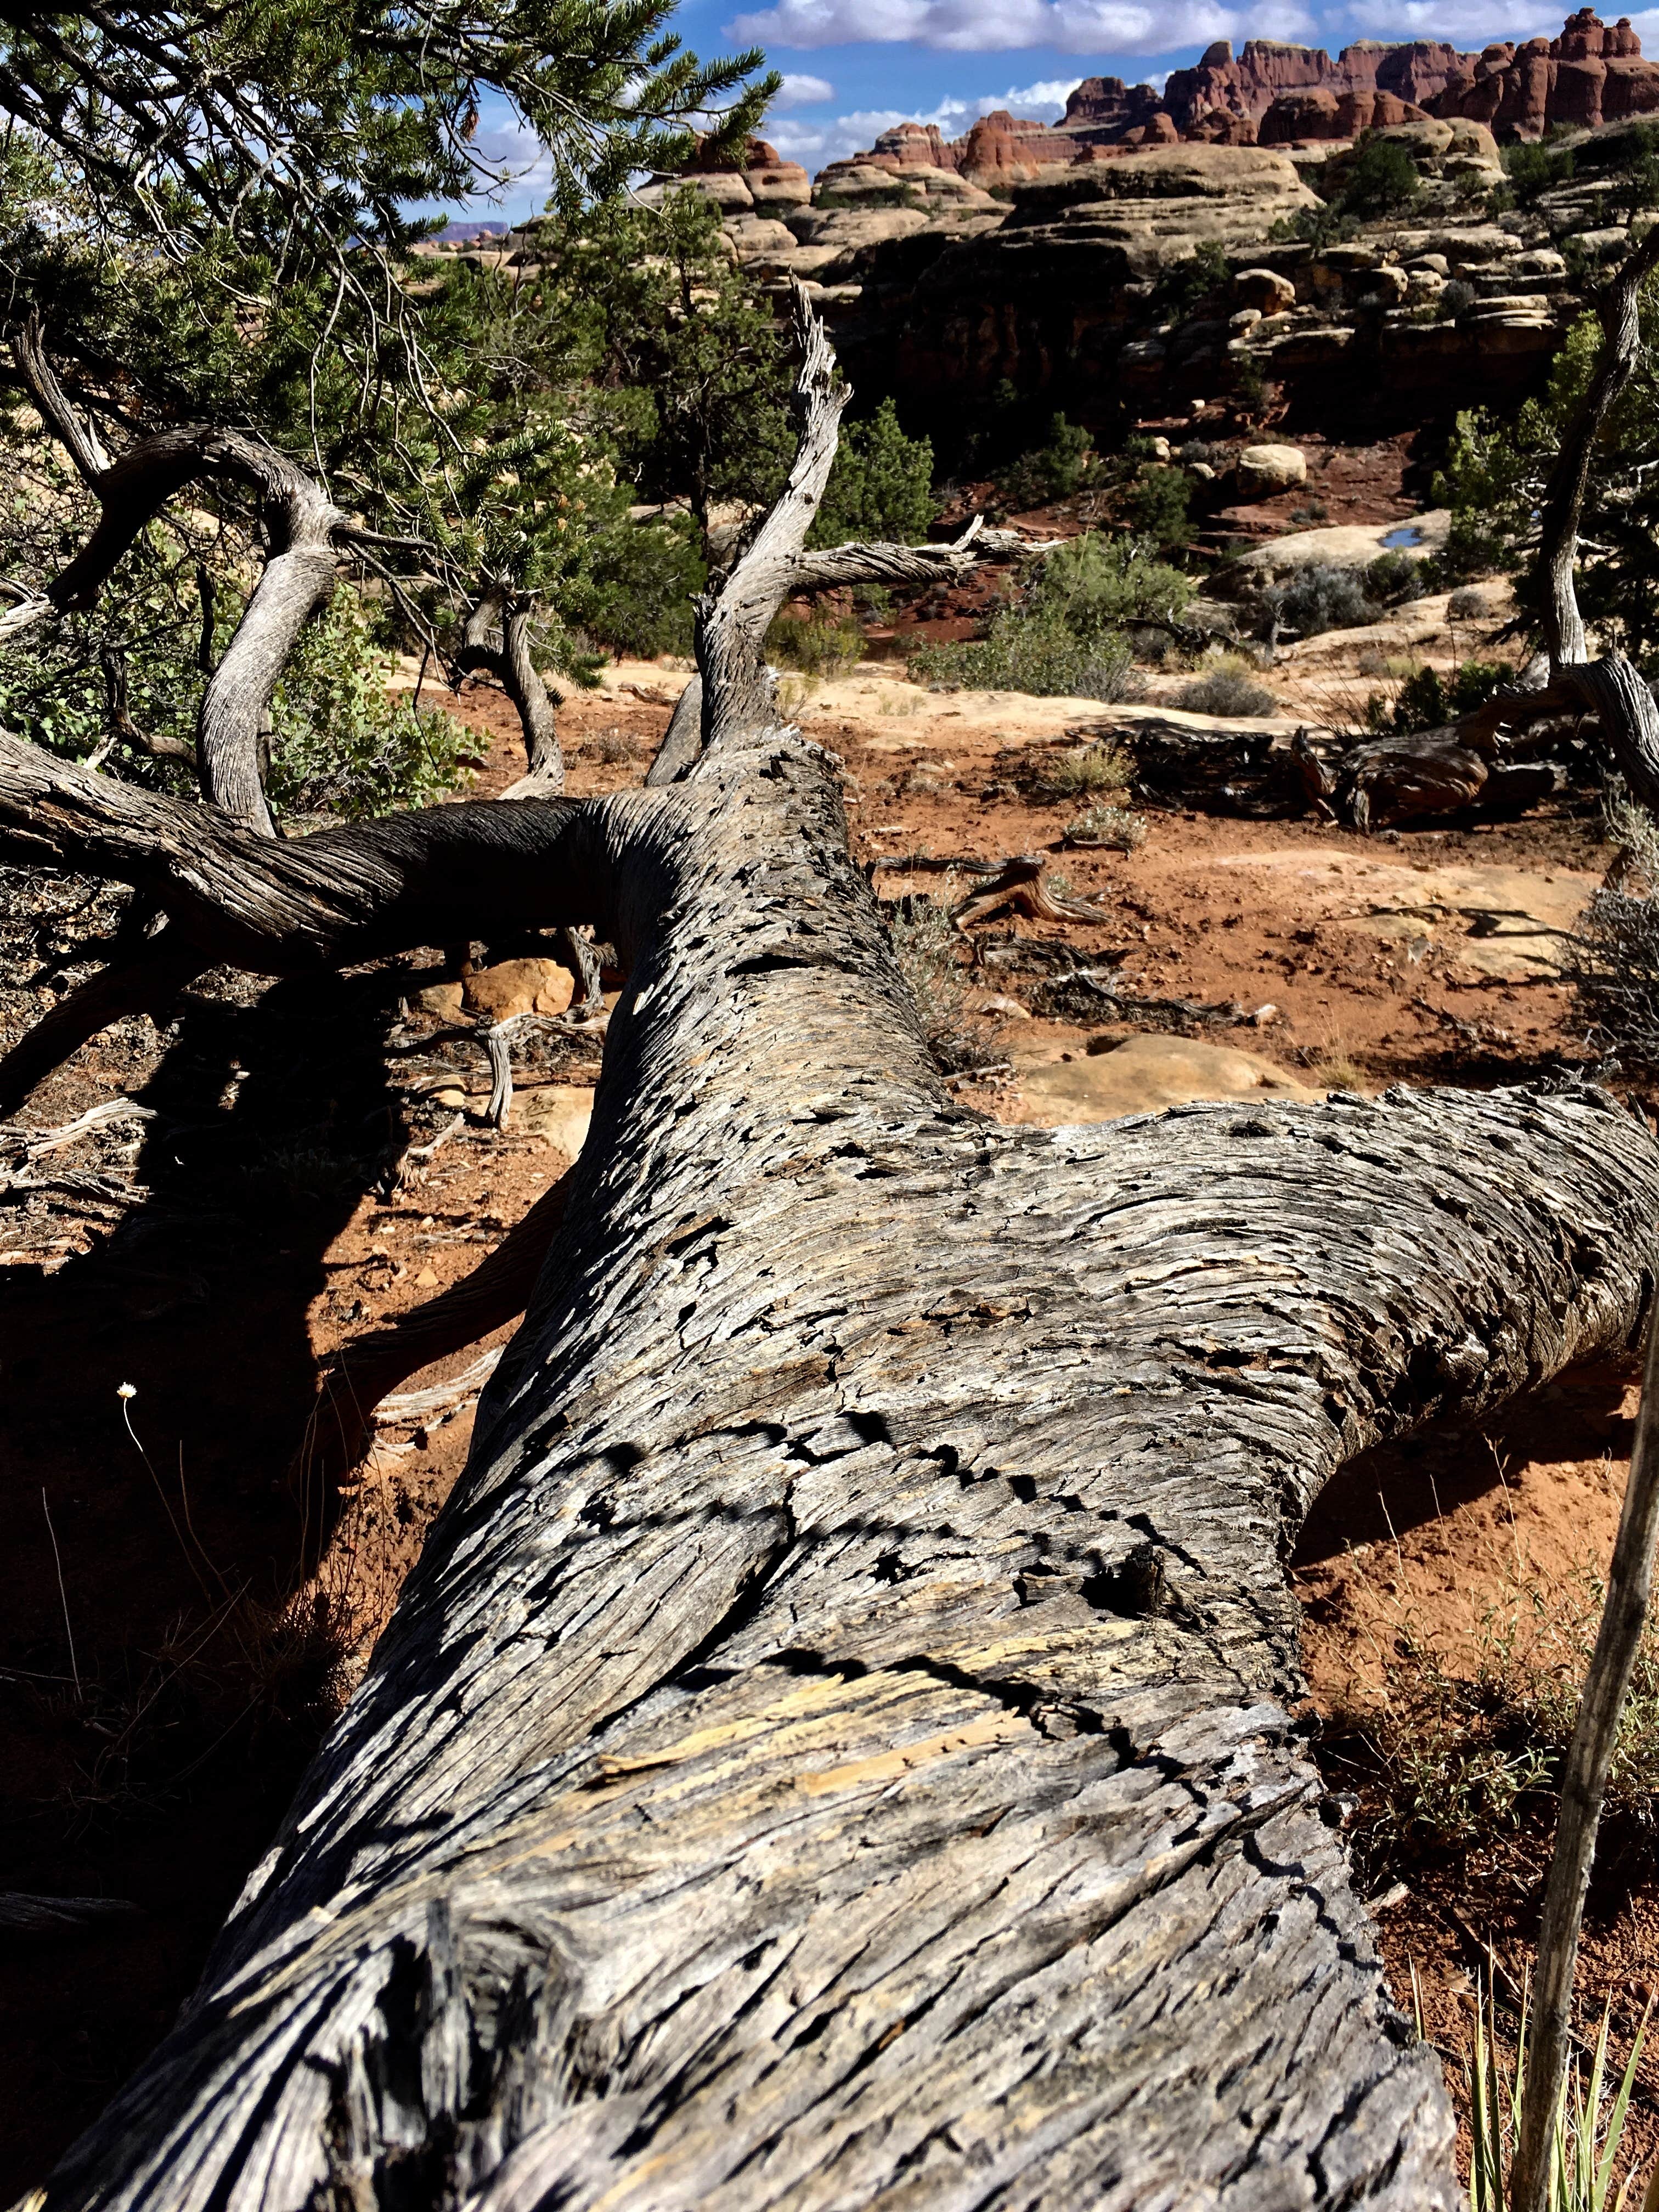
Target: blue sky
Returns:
[[852, 68]]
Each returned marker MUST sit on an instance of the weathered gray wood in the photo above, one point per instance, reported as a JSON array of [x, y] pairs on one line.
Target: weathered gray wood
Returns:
[[835, 1747], [495, 641], [298, 575], [1607, 1686]]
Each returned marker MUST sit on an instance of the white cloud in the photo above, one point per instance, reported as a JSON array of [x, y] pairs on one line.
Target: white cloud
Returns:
[[803, 91], [1045, 101], [516, 166], [1468, 23], [1070, 27]]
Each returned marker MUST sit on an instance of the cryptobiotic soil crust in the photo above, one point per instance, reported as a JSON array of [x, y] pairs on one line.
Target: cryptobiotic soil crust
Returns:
[[178, 1622]]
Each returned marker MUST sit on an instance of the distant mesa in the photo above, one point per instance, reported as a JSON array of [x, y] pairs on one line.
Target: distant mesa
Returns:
[[1272, 94]]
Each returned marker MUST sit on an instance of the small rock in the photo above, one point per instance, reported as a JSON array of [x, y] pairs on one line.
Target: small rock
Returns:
[[561, 1112], [440, 998], [519, 986], [427, 1279]]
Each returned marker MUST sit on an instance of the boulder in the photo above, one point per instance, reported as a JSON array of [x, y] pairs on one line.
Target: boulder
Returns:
[[1142, 1075], [519, 987], [1265, 289], [911, 146], [784, 185], [1262, 471]]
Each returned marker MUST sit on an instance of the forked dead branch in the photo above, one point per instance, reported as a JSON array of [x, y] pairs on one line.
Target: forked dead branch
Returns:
[[837, 1747]]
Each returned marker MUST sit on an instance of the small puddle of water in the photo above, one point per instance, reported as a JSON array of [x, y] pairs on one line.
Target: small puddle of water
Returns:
[[1407, 535]]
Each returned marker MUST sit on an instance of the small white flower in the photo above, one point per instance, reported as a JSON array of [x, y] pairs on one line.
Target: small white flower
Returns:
[[126, 1390]]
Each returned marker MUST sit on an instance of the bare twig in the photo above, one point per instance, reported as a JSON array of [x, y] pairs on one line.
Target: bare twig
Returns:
[[1607, 1684], [62, 1594]]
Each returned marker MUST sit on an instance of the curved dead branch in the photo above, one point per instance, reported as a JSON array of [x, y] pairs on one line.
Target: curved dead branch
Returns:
[[495, 641], [302, 565]]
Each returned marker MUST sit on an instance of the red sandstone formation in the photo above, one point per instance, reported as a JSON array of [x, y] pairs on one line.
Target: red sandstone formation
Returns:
[[912, 146], [1591, 74], [1279, 96], [1003, 145]]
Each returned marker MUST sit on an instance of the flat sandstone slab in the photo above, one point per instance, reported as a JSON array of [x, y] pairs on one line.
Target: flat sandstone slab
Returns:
[[1144, 1074]]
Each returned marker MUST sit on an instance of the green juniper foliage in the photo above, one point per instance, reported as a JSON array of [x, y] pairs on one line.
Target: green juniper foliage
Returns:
[[210, 216]]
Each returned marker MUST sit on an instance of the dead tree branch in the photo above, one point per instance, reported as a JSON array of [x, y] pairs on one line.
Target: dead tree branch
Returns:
[[495, 641], [300, 569]]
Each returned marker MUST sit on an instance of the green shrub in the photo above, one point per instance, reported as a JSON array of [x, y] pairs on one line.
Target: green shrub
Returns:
[[1228, 686], [1532, 170], [642, 579], [1428, 700], [1033, 651], [825, 644], [880, 487], [340, 744], [1056, 469], [1157, 503], [1096, 582], [1380, 180]]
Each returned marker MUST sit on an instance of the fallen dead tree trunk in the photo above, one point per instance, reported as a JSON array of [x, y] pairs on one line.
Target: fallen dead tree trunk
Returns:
[[836, 1747]]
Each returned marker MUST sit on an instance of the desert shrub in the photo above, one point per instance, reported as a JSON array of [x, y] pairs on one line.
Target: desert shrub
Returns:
[[927, 949], [1456, 1756], [643, 579], [341, 744], [1393, 578], [1380, 180], [1428, 700], [1063, 636], [1118, 827], [1028, 649], [1457, 295], [1098, 582], [1613, 955], [1532, 170], [1184, 283], [1228, 686], [1075, 773], [1320, 598], [1467, 605], [1156, 504], [823, 645]]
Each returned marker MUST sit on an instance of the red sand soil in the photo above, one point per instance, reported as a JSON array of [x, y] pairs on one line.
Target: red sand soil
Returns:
[[211, 1644]]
